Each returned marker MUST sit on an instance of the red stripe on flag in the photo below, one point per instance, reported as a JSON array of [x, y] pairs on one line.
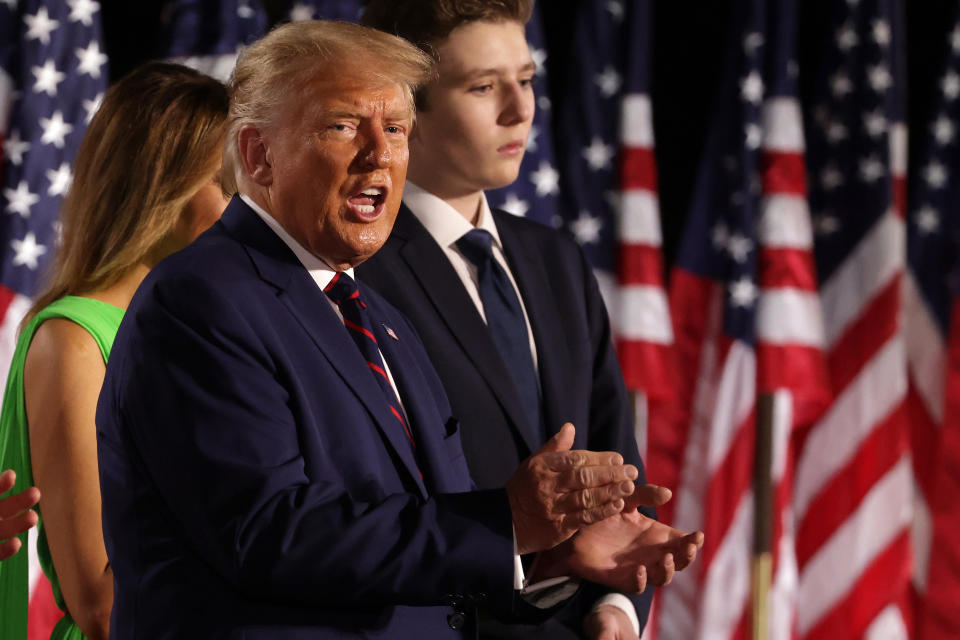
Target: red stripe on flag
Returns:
[[800, 369], [839, 497], [924, 440], [641, 264], [638, 169], [42, 612], [647, 366], [791, 268], [880, 584], [861, 341], [784, 173], [900, 195], [6, 298]]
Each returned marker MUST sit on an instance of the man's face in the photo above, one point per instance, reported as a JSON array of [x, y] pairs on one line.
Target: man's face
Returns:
[[338, 160], [472, 134]]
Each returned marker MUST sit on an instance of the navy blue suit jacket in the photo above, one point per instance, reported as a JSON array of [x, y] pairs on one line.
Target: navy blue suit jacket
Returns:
[[580, 377], [254, 482]]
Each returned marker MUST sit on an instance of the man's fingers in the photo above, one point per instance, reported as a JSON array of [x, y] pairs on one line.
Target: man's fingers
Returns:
[[9, 548], [7, 479], [562, 441], [10, 527], [13, 505], [579, 518], [587, 477], [649, 495], [641, 579], [589, 499], [566, 460]]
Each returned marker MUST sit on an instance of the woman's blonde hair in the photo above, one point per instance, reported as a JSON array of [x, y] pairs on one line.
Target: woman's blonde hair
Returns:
[[150, 147], [272, 71]]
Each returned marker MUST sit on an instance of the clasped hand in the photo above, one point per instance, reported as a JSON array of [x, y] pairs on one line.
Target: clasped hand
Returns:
[[557, 493]]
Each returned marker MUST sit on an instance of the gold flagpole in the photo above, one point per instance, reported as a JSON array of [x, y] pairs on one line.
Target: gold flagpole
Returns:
[[762, 561]]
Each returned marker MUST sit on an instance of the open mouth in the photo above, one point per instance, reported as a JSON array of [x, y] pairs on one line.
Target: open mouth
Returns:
[[368, 204]]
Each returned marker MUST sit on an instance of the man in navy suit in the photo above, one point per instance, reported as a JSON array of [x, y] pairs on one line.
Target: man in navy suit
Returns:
[[471, 131], [277, 455]]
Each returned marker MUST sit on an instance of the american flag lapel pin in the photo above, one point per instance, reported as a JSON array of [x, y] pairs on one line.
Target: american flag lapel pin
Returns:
[[390, 332]]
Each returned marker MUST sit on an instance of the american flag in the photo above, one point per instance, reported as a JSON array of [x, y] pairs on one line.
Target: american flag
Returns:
[[54, 73], [535, 193], [854, 481], [207, 35], [930, 284], [747, 321], [300, 10]]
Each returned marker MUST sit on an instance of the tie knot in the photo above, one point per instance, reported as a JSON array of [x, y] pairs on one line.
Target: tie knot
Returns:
[[343, 288], [476, 246]]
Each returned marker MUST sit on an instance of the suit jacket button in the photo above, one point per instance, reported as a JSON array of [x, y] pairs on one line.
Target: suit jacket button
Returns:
[[456, 620]]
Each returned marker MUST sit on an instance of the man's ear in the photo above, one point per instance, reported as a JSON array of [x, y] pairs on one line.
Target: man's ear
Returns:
[[255, 155]]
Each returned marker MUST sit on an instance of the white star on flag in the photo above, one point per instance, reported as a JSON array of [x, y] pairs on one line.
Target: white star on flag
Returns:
[[836, 132], [943, 130], [20, 200], [608, 81], [955, 39], [47, 78], [928, 220], [12, 4], [871, 169], [615, 7], [546, 179], [599, 154], [14, 148], [875, 123], [40, 25], [831, 177], [753, 136], [880, 78], [935, 174], [847, 38], [91, 59], [544, 103], [55, 130], [27, 251], [245, 11], [586, 228], [515, 205], [91, 106], [60, 180], [82, 11], [752, 42], [739, 246], [539, 57], [720, 236], [840, 84], [751, 88], [881, 32], [826, 224], [743, 292], [950, 85], [532, 138], [301, 13]]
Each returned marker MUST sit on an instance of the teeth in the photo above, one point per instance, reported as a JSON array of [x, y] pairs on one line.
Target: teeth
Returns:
[[372, 191], [365, 208]]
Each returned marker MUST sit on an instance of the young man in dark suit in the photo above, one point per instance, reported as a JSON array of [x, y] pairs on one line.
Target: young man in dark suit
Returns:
[[508, 309]]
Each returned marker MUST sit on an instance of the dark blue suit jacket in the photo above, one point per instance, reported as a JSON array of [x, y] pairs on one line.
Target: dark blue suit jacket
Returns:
[[580, 377], [254, 482]]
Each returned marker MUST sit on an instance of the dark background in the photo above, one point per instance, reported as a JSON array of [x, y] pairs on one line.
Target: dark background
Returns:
[[688, 56]]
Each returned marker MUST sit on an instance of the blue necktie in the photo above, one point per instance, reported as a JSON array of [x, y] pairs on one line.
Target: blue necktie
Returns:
[[343, 291], [506, 323]]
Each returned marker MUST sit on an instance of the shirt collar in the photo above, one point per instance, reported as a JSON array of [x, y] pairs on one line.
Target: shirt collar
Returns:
[[319, 270], [442, 221]]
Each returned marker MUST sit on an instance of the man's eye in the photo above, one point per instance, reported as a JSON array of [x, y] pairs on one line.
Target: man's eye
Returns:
[[527, 82], [481, 89], [394, 129]]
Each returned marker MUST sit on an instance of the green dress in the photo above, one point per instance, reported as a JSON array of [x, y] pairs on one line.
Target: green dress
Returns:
[[101, 320]]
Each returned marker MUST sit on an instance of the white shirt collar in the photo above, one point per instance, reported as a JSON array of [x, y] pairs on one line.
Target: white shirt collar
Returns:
[[319, 270], [442, 221]]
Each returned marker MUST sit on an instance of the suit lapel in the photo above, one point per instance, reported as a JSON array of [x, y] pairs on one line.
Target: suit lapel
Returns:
[[443, 288], [534, 284], [277, 265]]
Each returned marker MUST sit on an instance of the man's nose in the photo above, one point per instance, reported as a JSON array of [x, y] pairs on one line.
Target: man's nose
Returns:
[[518, 105], [376, 153]]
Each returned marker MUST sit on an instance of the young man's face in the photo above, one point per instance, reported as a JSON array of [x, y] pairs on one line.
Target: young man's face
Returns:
[[473, 132]]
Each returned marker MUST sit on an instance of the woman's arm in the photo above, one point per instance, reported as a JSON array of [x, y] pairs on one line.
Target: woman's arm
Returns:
[[62, 378]]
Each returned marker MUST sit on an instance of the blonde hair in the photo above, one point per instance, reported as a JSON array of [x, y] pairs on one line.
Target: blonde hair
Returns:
[[292, 55], [150, 147]]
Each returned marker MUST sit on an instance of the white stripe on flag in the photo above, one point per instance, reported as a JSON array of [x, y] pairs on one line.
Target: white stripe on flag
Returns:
[[726, 587], [789, 316], [636, 126], [640, 218], [216, 66], [869, 398], [866, 270], [644, 314], [737, 385], [782, 125], [921, 536], [785, 223], [9, 329], [926, 349], [888, 625], [882, 514], [898, 149]]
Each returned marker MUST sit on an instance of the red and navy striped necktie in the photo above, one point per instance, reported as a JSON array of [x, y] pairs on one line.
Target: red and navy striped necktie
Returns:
[[343, 291]]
